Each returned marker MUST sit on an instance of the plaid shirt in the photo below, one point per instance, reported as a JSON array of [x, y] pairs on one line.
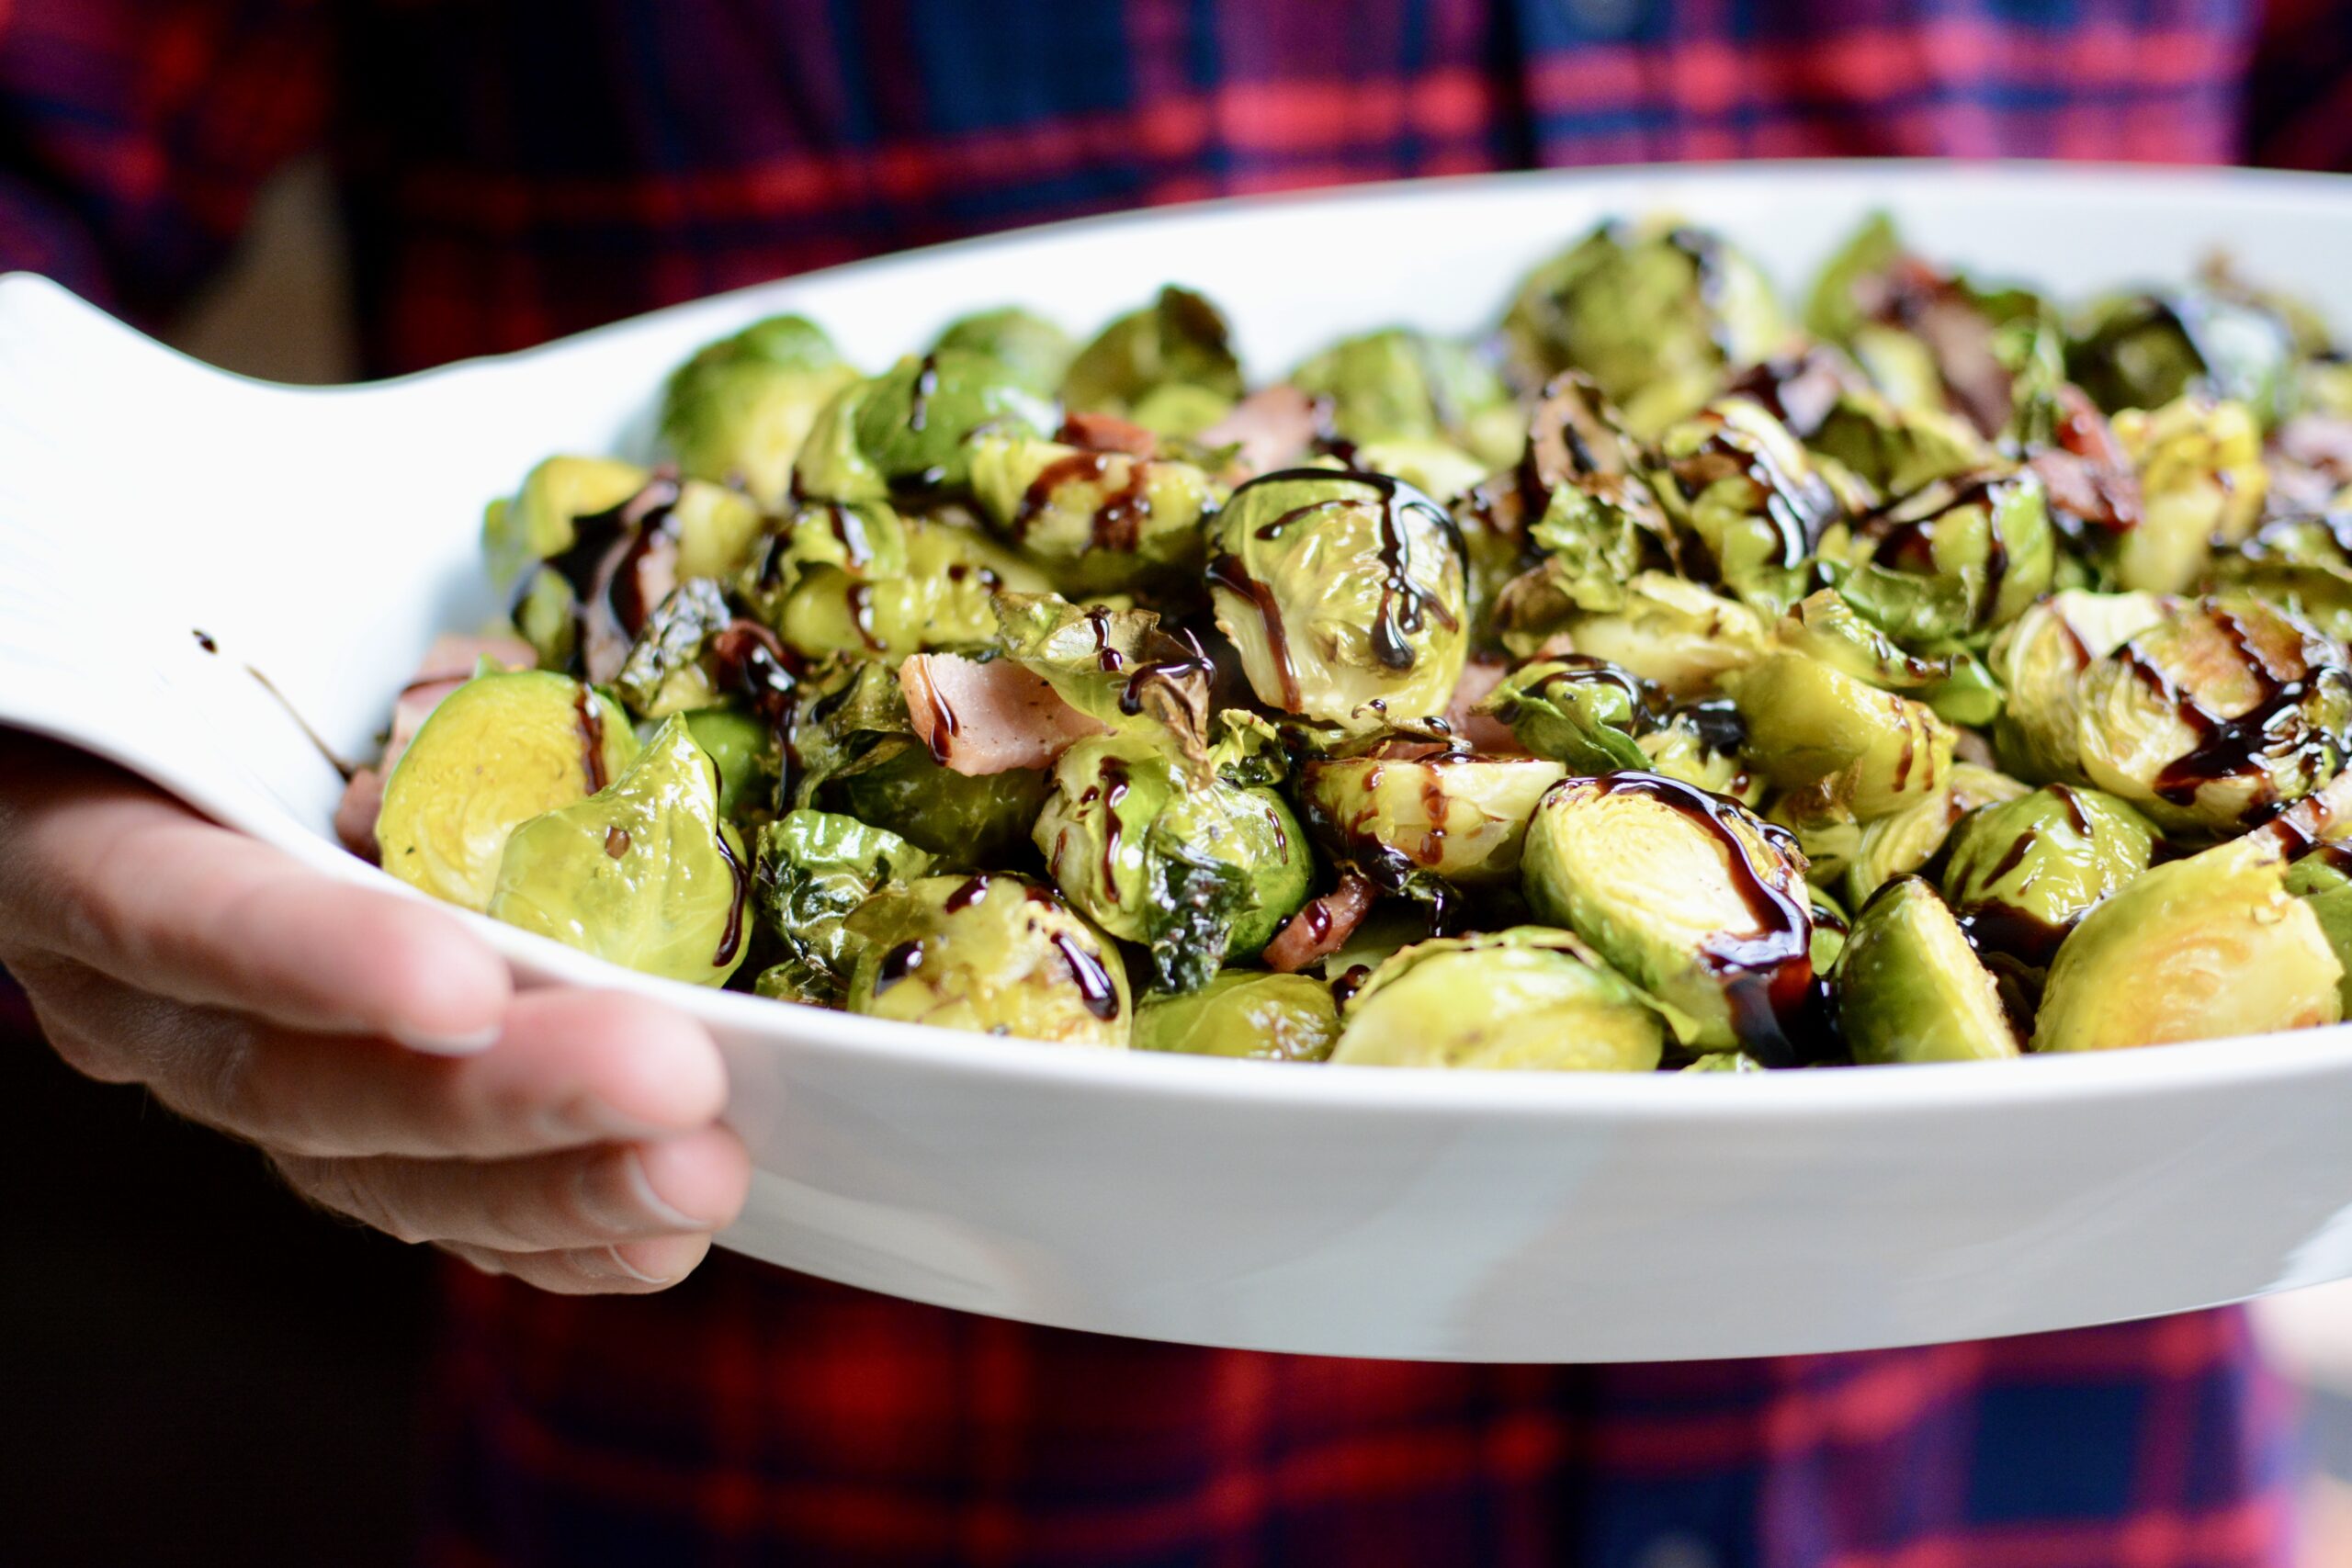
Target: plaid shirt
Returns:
[[518, 169]]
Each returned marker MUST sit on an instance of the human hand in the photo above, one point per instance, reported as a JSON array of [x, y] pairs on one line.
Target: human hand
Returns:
[[374, 1049]]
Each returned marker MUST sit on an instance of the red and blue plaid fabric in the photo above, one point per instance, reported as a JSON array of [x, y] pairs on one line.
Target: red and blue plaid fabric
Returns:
[[513, 170]]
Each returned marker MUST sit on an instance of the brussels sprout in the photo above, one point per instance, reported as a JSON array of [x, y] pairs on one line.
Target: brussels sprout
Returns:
[[2142, 351], [1344, 594], [1699, 744], [2040, 658], [498, 751], [2212, 717], [1688, 894], [1830, 930], [831, 464], [741, 406], [1101, 521], [862, 579], [1269, 1018], [645, 872], [2206, 948], [1578, 710], [716, 529], [991, 954], [1034, 351], [1911, 989], [538, 520], [740, 746], [814, 869], [1196, 875], [916, 419], [1864, 856], [664, 672], [1436, 469], [1952, 558], [1898, 450], [1116, 667], [547, 616], [1734, 479], [1527, 1000], [2303, 565], [1849, 748], [1402, 385], [2023, 873], [1657, 314], [2201, 484], [2323, 880], [963, 820], [1460, 819], [1673, 634], [1725, 1062], [1180, 341]]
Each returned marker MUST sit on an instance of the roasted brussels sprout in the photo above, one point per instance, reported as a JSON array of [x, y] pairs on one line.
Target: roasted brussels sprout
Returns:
[[916, 421], [740, 407], [2303, 565], [1578, 710], [1897, 450], [813, 869], [664, 672], [1178, 345], [645, 872], [538, 520], [2142, 351], [991, 954], [1034, 351], [2323, 880], [1242, 1013], [1952, 558], [1735, 481], [1688, 894], [1851, 750], [1657, 314], [2201, 484], [2023, 873], [498, 751], [1673, 634], [2040, 658], [1458, 818], [2212, 717], [2205, 948], [1865, 856], [1344, 594], [864, 580], [1527, 998], [742, 748], [1101, 522], [1911, 989], [1402, 385]]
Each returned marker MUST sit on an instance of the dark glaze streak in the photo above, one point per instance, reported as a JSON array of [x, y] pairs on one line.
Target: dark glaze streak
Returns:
[[896, 965], [730, 941], [2232, 747], [861, 615], [858, 550], [1094, 987], [972, 891], [1106, 659], [317, 741], [1169, 671], [590, 721], [942, 723], [1114, 774], [616, 843], [2020, 847], [204, 640], [2074, 804], [1344, 988], [926, 388], [1227, 572]]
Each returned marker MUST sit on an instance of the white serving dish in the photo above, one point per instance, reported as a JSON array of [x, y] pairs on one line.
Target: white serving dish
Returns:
[[322, 535]]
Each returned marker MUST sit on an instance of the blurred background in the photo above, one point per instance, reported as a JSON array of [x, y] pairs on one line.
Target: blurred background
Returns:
[[249, 1366]]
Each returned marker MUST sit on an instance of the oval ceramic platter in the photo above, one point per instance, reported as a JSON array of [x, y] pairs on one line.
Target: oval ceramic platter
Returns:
[[321, 538]]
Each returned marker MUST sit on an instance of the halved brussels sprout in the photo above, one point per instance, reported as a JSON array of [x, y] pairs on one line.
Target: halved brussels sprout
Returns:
[[1699, 743], [2201, 485], [916, 421], [1197, 875], [496, 753], [1732, 478], [2023, 873], [664, 672], [991, 954], [1459, 818], [2213, 716], [2206, 948], [1178, 344], [1101, 521], [2142, 351], [1578, 710], [814, 869], [1851, 749], [1672, 633], [2322, 878], [1267, 1018], [1399, 384], [1878, 851], [1527, 998], [1688, 893], [538, 520], [1034, 351], [2040, 656], [1344, 594], [645, 872], [1658, 314], [742, 747], [740, 407], [1954, 556], [1911, 989], [1437, 469], [2303, 565], [1897, 450], [864, 579]]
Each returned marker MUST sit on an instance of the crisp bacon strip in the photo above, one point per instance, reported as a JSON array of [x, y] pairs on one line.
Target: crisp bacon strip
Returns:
[[1274, 426], [1108, 432], [988, 717], [446, 665], [1481, 732], [1323, 927]]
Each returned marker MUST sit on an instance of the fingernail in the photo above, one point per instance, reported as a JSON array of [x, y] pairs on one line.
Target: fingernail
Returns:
[[641, 1187], [448, 1045], [612, 1263]]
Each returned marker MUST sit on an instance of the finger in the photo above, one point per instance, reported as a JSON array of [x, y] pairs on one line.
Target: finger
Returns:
[[584, 1198], [572, 1067], [630, 1268], [101, 868]]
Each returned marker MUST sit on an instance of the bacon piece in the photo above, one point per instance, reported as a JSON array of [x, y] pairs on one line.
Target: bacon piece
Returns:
[[1108, 432], [1274, 427], [988, 717], [1482, 732], [1323, 927], [354, 814]]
